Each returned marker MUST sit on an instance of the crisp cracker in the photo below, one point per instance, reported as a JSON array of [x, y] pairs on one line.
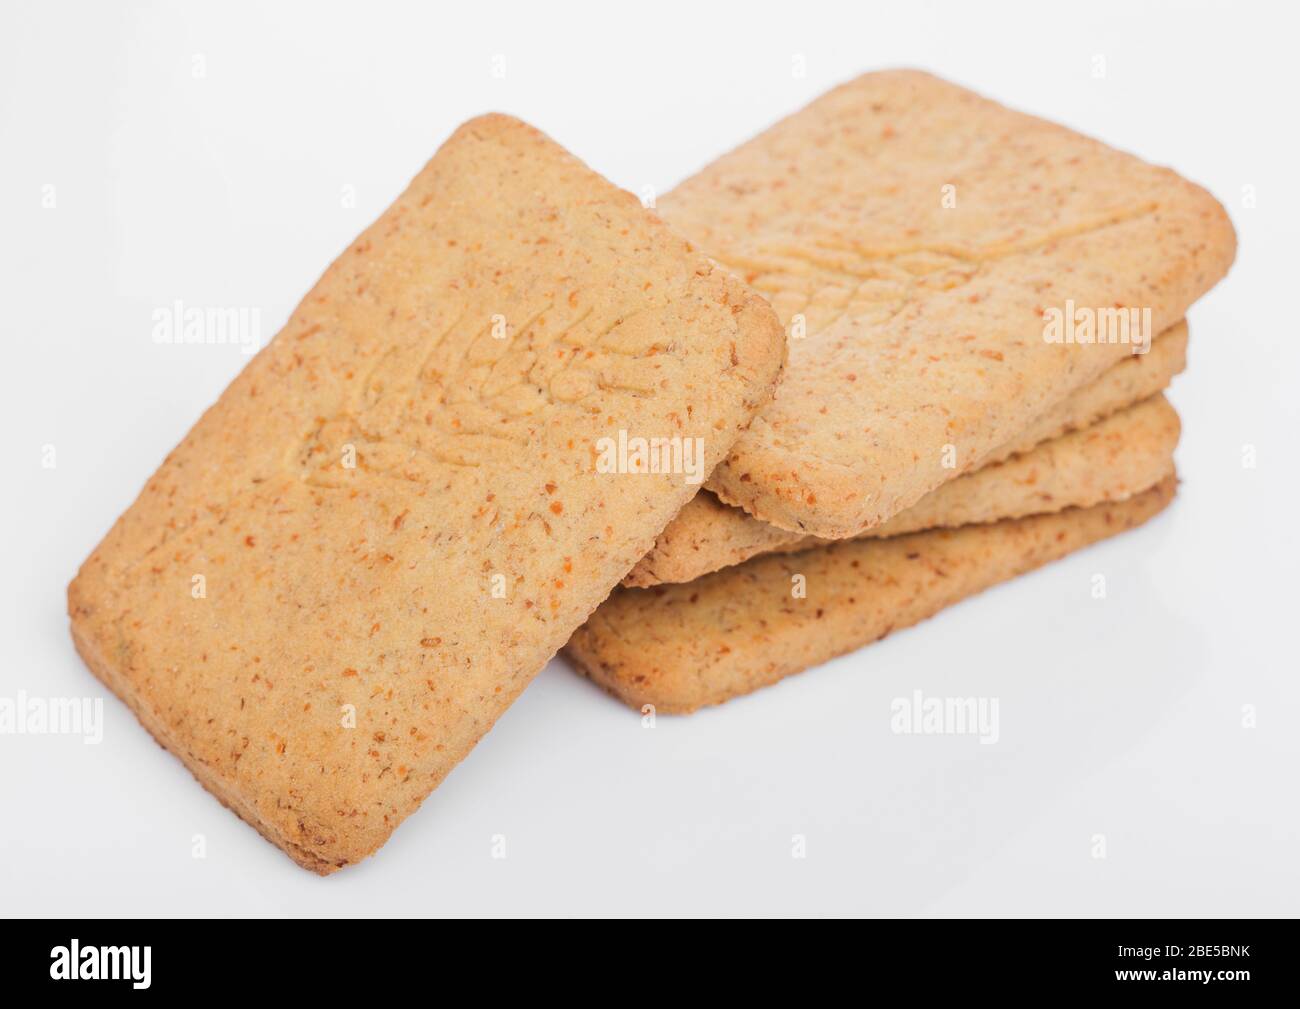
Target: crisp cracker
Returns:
[[393, 512], [680, 647], [922, 236]]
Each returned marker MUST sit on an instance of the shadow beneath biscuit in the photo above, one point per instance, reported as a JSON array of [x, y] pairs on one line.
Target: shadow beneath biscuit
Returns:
[[823, 795]]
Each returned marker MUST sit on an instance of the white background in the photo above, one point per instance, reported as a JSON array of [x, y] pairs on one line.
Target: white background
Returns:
[[1121, 717]]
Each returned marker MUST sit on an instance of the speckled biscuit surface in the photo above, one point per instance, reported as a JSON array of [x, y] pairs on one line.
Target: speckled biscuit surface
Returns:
[[1135, 378], [707, 535], [680, 647], [392, 518], [925, 235], [1112, 460]]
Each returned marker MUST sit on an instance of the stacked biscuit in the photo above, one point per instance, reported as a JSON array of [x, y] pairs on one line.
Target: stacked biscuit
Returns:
[[395, 515], [983, 310]]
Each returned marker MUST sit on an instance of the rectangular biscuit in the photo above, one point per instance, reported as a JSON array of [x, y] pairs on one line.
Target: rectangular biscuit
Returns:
[[707, 535], [393, 517], [680, 647], [918, 240]]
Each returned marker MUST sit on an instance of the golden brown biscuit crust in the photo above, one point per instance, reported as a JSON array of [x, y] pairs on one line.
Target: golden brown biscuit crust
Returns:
[[393, 517], [707, 535], [680, 647], [922, 235]]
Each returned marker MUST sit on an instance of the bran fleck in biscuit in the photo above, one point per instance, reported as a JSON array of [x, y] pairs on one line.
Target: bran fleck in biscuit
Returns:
[[680, 647], [392, 518]]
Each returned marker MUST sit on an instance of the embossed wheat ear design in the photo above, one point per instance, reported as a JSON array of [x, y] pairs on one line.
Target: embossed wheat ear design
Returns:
[[432, 402]]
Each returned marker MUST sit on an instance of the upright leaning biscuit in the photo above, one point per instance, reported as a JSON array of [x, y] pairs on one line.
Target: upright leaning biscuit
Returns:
[[680, 647], [393, 517], [919, 240]]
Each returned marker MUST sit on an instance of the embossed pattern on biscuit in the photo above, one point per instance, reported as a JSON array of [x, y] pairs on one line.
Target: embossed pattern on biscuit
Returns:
[[913, 236], [395, 506]]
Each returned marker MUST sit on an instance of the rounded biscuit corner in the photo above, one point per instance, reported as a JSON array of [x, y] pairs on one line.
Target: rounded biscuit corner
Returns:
[[761, 326], [1208, 215], [499, 127], [491, 122], [827, 500], [1221, 223], [629, 675]]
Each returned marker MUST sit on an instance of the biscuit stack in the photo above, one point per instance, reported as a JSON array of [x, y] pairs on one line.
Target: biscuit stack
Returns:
[[392, 519], [935, 431]]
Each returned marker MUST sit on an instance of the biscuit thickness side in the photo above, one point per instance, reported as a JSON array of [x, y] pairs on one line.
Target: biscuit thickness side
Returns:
[[707, 535], [681, 647]]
